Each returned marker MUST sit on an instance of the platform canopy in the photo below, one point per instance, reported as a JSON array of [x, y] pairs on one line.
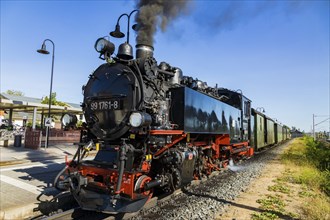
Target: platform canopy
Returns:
[[28, 104], [23, 104]]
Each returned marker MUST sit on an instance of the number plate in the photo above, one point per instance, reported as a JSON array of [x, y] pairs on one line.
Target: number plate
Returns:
[[105, 105]]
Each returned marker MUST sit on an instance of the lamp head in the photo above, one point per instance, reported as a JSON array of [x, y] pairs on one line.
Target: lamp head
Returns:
[[136, 27], [117, 33], [43, 49]]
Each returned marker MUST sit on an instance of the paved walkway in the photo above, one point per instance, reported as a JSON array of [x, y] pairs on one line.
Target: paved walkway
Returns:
[[15, 155], [26, 177]]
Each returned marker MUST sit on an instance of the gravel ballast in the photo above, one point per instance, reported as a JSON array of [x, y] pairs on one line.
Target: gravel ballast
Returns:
[[211, 197]]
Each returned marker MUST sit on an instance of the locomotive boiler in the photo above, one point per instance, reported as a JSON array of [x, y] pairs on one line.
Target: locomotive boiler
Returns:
[[155, 130]]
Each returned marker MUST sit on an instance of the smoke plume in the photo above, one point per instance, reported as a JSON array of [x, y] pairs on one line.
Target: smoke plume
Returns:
[[156, 13]]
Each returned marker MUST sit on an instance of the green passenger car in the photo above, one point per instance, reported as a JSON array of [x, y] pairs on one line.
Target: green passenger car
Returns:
[[287, 132], [259, 130], [278, 133], [265, 131], [270, 134]]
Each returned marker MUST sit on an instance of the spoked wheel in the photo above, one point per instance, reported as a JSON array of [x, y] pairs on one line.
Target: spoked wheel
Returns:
[[174, 181], [177, 180]]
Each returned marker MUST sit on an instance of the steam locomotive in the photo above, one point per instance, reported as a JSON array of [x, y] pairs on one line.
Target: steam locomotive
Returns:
[[156, 130]]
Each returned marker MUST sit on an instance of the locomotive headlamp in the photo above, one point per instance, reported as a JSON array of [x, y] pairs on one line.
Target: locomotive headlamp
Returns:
[[103, 46], [138, 119]]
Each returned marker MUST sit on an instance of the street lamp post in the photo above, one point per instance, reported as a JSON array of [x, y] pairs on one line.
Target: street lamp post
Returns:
[[43, 50], [117, 33]]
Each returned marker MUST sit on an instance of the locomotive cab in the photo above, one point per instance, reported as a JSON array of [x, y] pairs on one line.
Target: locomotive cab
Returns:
[[238, 100]]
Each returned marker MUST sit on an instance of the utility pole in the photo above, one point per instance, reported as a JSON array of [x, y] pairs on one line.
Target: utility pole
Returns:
[[314, 125], [313, 128]]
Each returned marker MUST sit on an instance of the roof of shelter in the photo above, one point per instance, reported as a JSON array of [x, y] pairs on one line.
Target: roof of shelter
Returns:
[[27, 104], [20, 98], [74, 105]]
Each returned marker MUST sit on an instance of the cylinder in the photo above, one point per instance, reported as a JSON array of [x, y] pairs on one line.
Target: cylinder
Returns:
[[152, 184]]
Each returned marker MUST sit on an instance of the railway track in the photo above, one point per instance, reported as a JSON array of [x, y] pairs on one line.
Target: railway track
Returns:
[[202, 190], [161, 201], [208, 198], [77, 213]]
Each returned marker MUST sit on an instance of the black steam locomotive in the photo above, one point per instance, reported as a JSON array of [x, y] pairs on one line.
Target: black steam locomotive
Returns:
[[154, 129]]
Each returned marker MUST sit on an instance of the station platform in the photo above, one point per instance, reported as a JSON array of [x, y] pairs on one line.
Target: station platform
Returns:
[[27, 175], [15, 155]]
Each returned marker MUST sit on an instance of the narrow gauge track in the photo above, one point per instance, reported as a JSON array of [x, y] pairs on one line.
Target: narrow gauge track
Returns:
[[77, 213], [210, 198], [80, 214], [211, 195]]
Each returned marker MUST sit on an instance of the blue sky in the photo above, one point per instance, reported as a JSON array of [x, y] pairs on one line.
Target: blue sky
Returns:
[[276, 52]]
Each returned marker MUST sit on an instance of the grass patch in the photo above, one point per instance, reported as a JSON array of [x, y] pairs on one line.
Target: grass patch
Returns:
[[264, 216], [273, 207], [305, 193], [309, 166], [272, 203], [280, 187], [307, 160], [317, 207]]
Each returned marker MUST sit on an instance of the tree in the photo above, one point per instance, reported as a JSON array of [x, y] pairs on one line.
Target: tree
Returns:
[[14, 92], [54, 101]]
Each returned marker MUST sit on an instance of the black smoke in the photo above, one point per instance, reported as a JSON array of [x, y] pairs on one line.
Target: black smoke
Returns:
[[156, 13], [211, 15]]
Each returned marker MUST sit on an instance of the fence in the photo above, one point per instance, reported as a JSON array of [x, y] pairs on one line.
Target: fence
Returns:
[[32, 139], [35, 138]]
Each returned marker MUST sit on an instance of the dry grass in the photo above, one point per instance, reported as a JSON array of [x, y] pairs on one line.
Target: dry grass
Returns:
[[304, 160], [317, 207]]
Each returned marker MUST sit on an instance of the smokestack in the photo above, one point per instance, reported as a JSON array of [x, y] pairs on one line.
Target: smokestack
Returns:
[[144, 51], [153, 13]]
